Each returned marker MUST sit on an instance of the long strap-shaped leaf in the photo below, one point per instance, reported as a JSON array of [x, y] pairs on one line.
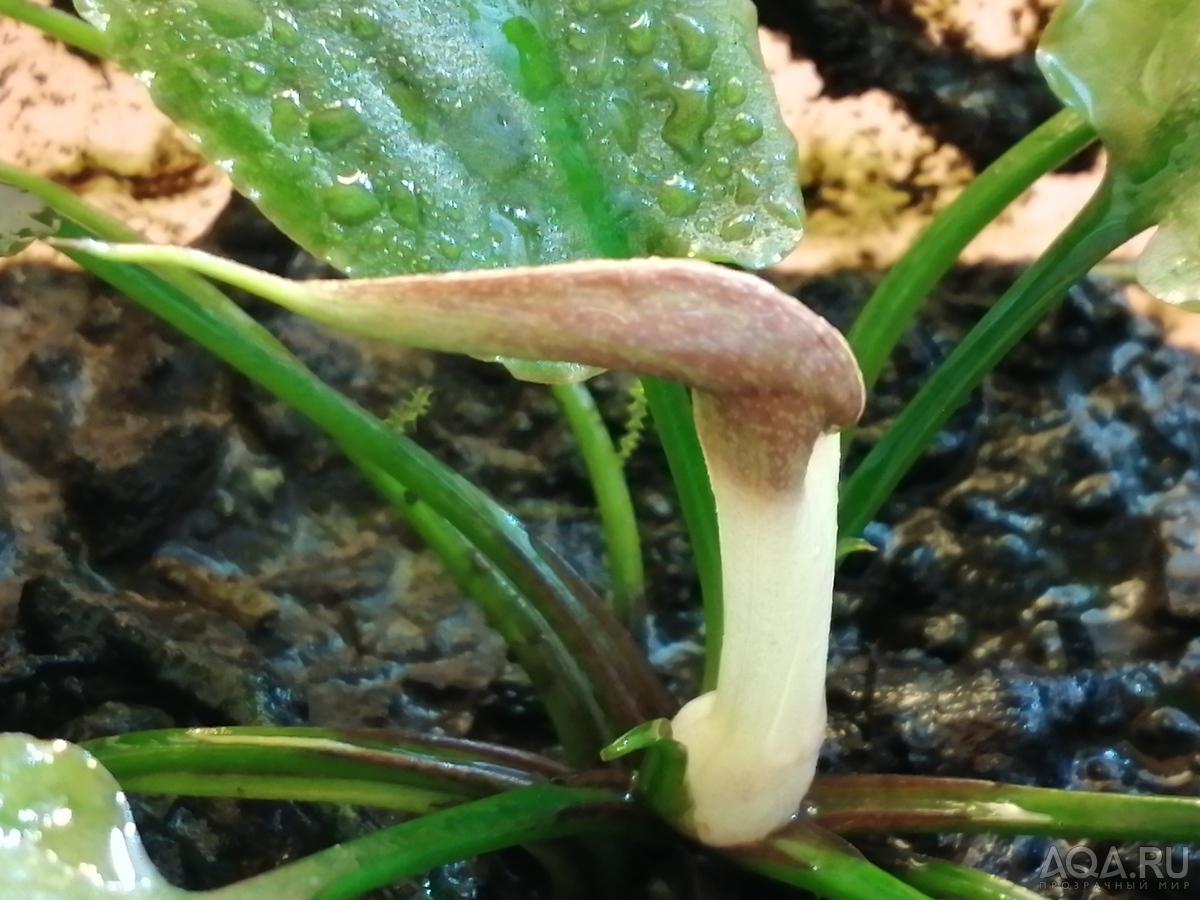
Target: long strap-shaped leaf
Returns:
[[393, 770], [890, 804]]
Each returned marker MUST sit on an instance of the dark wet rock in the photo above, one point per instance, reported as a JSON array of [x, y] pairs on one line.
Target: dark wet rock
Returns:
[[112, 718], [1167, 731], [1052, 542], [930, 719], [209, 843], [119, 416], [1059, 532], [203, 660], [123, 505]]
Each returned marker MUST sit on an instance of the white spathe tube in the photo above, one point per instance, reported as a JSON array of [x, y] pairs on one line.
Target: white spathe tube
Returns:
[[753, 742]]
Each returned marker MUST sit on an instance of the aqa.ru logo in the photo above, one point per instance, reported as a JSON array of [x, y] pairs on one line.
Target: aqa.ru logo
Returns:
[[1080, 868]]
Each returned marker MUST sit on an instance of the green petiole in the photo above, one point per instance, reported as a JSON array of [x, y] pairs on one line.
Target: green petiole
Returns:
[[65, 27], [612, 499]]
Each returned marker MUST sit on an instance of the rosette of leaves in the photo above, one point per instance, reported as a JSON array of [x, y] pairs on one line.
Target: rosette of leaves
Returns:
[[1131, 70]]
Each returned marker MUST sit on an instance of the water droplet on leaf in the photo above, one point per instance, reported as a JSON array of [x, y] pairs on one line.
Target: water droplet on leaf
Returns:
[[232, 18], [745, 129], [748, 188], [256, 77], [696, 43], [737, 228], [405, 205], [733, 92], [678, 196], [1169, 266], [287, 118], [641, 35], [579, 38], [412, 104], [350, 201], [627, 124], [786, 212], [335, 126], [693, 114], [284, 29], [450, 248], [651, 78], [364, 23]]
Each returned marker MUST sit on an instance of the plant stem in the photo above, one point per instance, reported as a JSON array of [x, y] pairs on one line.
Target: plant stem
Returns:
[[672, 414], [612, 499], [65, 27], [1103, 225], [887, 314], [385, 857]]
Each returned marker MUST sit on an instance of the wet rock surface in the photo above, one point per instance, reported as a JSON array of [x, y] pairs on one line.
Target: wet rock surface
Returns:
[[176, 549], [1028, 617]]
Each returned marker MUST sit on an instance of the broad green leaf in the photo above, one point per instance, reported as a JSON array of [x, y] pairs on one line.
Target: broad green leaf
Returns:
[[23, 219], [66, 832], [1131, 69], [423, 135]]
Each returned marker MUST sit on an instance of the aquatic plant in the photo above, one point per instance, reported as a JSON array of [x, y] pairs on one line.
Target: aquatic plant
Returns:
[[501, 144]]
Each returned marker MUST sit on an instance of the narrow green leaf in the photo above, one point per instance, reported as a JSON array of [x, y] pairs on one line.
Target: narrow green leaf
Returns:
[[67, 827], [660, 776], [848, 546], [406, 772], [57, 24], [522, 816], [808, 857], [888, 804], [24, 219], [1102, 226], [671, 412], [422, 135], [907, 284], [940, 878], [507, 610]]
